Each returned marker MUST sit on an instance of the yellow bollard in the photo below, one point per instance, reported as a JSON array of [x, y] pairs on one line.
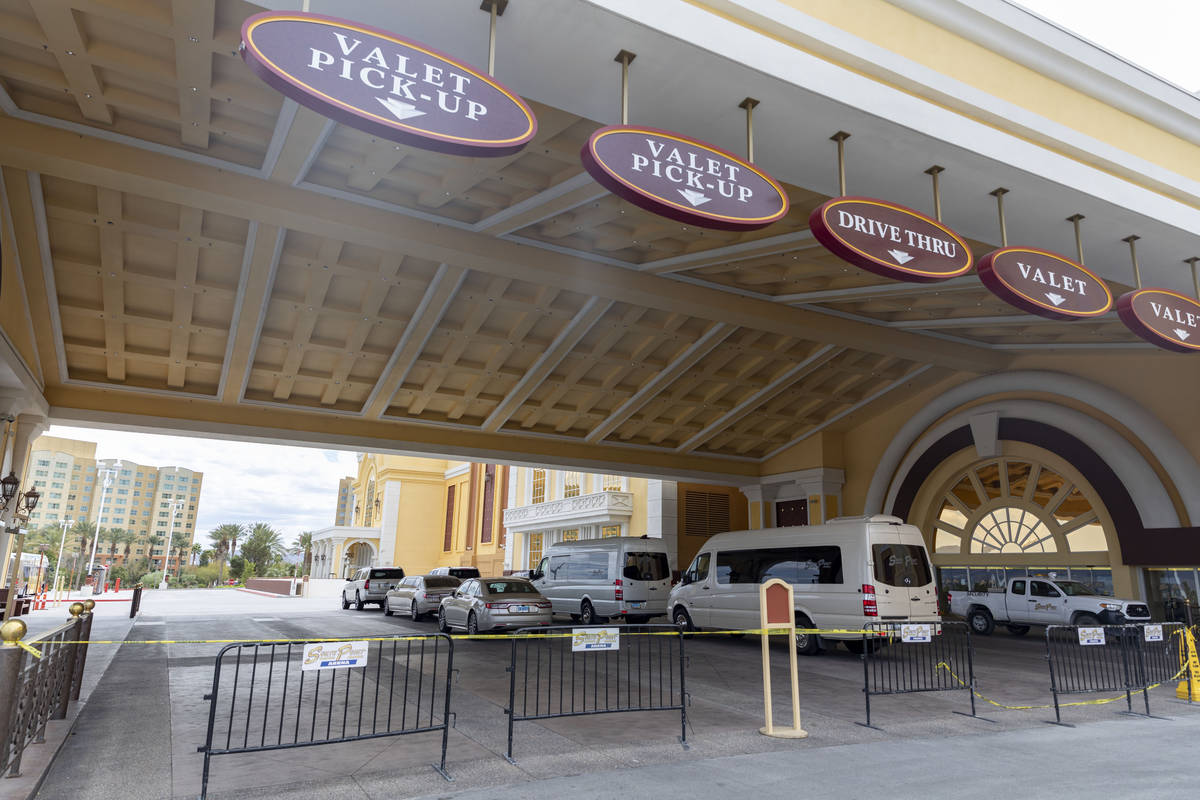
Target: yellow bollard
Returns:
[[777, 611], [1187, 655]]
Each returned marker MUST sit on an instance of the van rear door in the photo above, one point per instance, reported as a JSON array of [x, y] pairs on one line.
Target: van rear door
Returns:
[[903, 577], [645, 576]]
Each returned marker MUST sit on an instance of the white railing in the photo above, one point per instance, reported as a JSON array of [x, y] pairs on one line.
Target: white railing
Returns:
[[585, 506]]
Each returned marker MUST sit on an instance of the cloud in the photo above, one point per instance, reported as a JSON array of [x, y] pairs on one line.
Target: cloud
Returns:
[[294, 489]]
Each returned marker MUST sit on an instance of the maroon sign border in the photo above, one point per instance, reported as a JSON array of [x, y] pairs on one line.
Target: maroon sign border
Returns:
[[1015, 297], [395, 131], [824, 233], [1135, 323], [668, 208]]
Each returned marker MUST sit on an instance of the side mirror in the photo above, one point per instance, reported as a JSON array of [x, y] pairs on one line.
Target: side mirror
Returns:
[[535, 575], [686, 579]]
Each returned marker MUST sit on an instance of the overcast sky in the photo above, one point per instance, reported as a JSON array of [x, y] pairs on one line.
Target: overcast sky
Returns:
[[295, 488], [292, 488]]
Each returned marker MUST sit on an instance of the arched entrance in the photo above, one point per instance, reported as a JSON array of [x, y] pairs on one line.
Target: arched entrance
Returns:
[[1024, 512], [358, 554]]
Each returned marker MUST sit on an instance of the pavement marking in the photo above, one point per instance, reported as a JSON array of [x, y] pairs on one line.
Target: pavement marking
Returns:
[[265, 619]]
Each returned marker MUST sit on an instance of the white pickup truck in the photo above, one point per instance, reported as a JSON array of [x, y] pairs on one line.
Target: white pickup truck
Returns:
[[1043, 601]]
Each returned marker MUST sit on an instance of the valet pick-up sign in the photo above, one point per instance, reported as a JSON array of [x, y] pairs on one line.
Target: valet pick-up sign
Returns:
[[890, 240], [1044, 283], [683, 179], [385, 85], [1164, 318]]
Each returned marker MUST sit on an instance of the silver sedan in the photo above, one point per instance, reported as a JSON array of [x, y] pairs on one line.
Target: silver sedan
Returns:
[[418, 595], [486, 604]]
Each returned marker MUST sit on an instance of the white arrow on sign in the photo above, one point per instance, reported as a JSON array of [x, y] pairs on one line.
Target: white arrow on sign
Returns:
[[1057, 299], [1182, 334], [400, 110], [900, 256], [693, 197]]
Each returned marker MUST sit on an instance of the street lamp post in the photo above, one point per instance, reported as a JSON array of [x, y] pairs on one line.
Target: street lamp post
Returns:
[[176, 509], [108, 473], [26, 502], [58, 565]]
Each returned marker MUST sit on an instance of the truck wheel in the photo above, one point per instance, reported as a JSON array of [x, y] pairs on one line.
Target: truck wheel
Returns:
[[345, 602], [1018, 630], [682, 619], [807, 644], [981, 622], [1086, 620], [587, 614], [359, 605]]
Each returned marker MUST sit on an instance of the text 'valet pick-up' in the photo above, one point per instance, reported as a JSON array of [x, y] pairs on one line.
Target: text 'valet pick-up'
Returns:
[[1043, 601]]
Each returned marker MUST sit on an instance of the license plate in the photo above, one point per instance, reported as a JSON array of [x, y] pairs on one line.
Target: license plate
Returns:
[[637, 605], [520, 609]]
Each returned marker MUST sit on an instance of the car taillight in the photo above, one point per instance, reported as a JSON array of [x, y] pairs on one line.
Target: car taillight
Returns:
[[543, 605], [496, 605], [870, 608], [367, 585], [618, 593]]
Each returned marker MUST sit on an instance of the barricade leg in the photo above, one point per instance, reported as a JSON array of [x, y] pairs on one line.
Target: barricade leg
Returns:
[[1054, 684], [683, 695], [441, 767], [512, 701]]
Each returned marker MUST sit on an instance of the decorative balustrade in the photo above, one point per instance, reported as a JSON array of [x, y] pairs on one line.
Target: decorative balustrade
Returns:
[[585, 507]]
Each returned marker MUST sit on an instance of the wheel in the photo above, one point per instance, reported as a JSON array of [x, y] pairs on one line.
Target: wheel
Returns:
[[416, 615], [442, 626], [587, 614], [981, 622], [1018, 630], [682, 620], [345, 602], [1087, 620], [359, 605], [807, 644], [472, 624], [387, 608]]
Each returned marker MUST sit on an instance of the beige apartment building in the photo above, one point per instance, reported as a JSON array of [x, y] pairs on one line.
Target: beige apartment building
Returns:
[[138, 497]]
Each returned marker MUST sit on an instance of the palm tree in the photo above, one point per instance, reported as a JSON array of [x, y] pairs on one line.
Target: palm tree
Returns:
[[263, 546], [85, 531], [223, 537], [304, 543], [154, 542], [196, 550], [114, 537], [181, 542], [128, 539]]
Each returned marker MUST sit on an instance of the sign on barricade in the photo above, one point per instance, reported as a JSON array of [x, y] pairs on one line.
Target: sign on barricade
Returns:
[[277, 696], [1112, 658], [563, 671], [905, 658]]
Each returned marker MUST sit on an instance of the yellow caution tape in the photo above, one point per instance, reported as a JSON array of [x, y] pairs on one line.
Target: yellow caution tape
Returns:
[[1100, 702], [33, 651]]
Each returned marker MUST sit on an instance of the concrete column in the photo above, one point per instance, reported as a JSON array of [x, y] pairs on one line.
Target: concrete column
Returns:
[[388, 524], [662, 516], [337, 557]]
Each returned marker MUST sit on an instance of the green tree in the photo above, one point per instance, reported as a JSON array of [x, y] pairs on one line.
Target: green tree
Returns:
[[196, 550], [224, 538], [115, 537], [304, 543], [262, 547], [156, 541], [127, 540], [237, 567], [181, 542]]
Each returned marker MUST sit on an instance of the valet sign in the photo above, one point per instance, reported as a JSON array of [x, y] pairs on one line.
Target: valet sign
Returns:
[[683, 179], [1044, 283], [1162, 317], [385, 85], [890, 240]]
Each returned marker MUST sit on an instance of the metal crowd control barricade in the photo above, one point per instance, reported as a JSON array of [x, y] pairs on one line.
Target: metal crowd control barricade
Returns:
[[1112, 658], [264, 698], [917, 656], [566, 671]]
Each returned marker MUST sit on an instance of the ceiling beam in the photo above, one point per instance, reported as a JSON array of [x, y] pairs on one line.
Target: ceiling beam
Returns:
[[877, 291], [563, 343], [806, 367], [441, 292], [187, 260], [112, 262], [319, 277], [176, 180], [711, 339], [193, 34], [65, 41], [260, 260]]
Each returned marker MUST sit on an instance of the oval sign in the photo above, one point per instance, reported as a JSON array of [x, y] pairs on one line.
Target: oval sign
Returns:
[[890, 240], [1044, 283], [683, 179], [385, 85], [1164, 318]]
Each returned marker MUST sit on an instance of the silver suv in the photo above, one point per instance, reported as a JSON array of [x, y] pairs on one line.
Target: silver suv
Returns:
[[370, 585]]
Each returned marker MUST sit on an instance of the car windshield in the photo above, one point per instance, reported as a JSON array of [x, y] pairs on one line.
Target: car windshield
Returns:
[[509, 587], [387, 574], [1075, 589], [441, 582]]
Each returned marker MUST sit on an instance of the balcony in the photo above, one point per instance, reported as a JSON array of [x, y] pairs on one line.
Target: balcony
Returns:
[[599, 508]]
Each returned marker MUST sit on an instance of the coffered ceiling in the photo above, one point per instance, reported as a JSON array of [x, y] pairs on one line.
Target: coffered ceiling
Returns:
[[184, 232]]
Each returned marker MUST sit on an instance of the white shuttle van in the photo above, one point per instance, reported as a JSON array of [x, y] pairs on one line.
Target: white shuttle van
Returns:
[[844, 574], [623, 577]]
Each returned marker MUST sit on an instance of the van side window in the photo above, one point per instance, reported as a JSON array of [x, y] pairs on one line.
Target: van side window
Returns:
[[699, 568], [557, 568], [587, 566], [737, 566], [799, 565]]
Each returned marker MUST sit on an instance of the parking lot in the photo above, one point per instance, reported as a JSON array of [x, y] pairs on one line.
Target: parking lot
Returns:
[[149, 711]]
